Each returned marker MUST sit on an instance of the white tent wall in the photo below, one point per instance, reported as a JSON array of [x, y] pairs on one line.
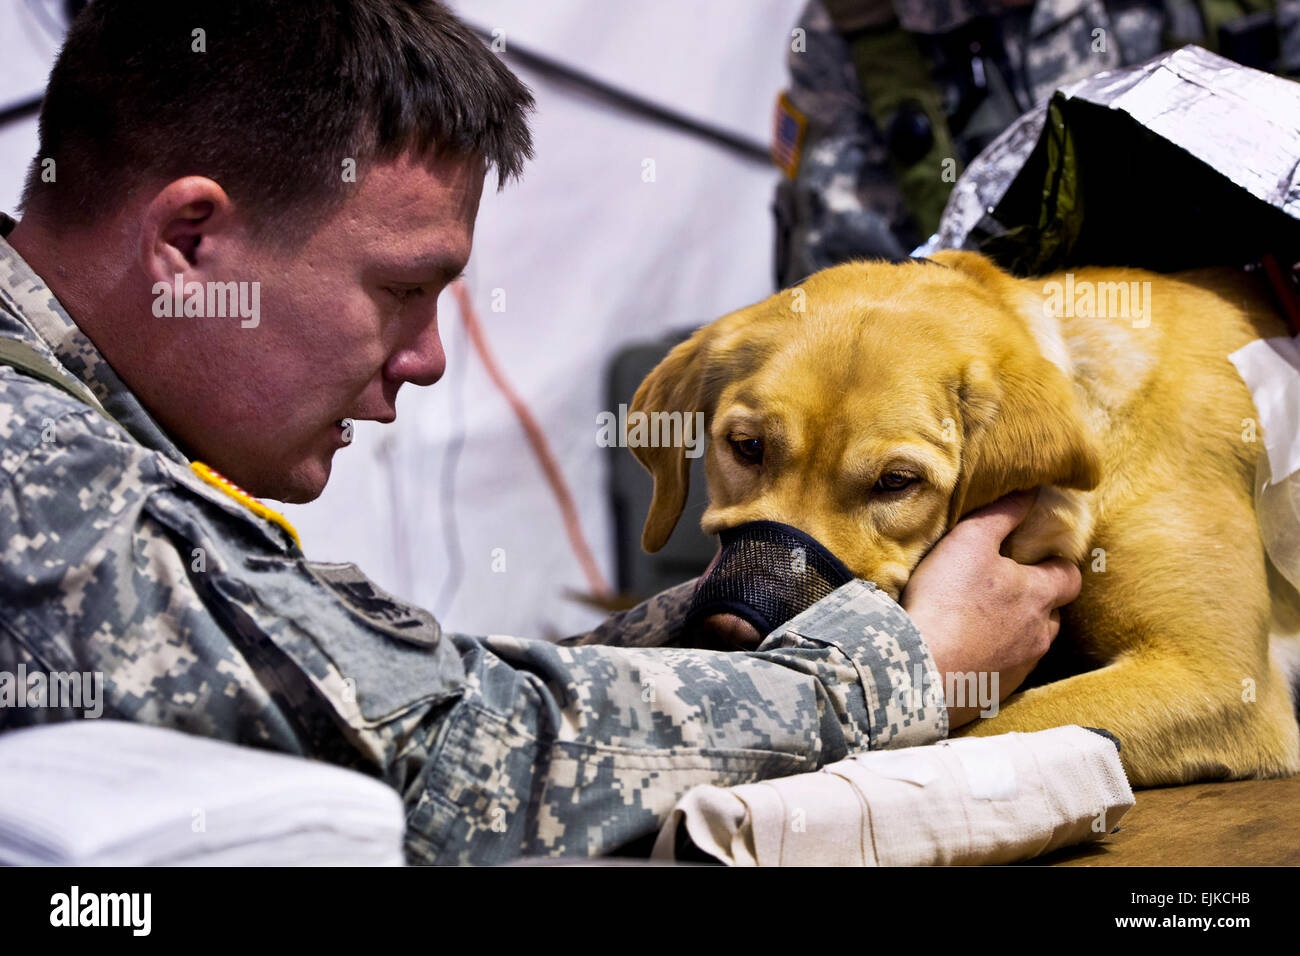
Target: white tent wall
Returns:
[[448, 507], [31, 32]]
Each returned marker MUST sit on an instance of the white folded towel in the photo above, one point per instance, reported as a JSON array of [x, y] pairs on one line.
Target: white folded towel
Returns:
[[965, 801], [111, 793]]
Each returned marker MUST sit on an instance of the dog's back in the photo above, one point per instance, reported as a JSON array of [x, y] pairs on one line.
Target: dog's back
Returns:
[[1175, 575]]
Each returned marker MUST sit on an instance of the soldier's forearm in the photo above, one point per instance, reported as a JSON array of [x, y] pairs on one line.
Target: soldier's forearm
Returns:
[[893, 664], [579, 750], [882, 702]]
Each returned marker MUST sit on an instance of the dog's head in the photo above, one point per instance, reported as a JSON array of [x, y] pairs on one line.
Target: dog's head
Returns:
[[870, 407]]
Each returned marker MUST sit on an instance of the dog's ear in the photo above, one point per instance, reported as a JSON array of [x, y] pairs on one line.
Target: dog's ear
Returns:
[[673, 386], [1022, 428], [1022, 424]]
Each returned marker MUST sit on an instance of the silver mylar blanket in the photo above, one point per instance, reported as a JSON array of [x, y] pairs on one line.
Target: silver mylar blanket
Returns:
[[1187, 160]]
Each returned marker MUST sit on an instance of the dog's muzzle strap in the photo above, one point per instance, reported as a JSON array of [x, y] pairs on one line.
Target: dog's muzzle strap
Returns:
[[767, 573]]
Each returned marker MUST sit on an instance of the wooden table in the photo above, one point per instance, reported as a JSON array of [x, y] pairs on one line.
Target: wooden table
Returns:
[[1244, 823]]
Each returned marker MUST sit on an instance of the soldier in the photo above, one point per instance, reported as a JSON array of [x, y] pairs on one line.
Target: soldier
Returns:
[[890, 99], [130, 381]]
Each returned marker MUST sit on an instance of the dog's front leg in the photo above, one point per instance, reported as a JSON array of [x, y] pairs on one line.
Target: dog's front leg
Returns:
[[1175, 724]]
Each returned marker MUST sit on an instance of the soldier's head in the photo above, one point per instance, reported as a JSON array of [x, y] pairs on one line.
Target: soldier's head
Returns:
[[312, 166]]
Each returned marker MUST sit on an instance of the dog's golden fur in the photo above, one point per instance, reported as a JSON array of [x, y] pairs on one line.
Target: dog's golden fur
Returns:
[[953, 374]]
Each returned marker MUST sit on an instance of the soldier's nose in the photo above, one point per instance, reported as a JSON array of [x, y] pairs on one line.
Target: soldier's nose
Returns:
[[421, 362]]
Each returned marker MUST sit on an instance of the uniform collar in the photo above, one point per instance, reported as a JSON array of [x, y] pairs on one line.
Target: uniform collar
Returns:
[[31, 313]]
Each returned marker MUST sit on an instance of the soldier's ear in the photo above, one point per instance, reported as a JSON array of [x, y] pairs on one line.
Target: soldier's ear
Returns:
[[673, 386]]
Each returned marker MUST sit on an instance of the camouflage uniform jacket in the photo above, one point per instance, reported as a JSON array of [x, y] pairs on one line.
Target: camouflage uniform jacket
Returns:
[[205, 617]]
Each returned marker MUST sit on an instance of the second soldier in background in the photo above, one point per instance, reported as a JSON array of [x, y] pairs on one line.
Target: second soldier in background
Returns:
[[888, 101]]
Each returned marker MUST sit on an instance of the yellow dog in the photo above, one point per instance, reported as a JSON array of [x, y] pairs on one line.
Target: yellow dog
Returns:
[[876, 404]]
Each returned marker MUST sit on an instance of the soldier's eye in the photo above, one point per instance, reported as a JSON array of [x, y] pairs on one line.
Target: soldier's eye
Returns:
[[895, 481], [749, 450]]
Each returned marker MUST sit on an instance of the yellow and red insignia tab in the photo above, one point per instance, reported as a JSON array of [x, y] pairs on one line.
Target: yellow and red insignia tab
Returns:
[[789, 128], [222, 483]]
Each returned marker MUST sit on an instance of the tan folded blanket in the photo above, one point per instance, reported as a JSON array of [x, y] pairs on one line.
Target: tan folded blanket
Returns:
[[966, 801]]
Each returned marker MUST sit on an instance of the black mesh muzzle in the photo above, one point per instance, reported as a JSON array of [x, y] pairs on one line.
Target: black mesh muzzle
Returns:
[[766, 574]]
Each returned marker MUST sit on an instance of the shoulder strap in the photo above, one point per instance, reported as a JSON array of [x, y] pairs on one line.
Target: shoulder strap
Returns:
[[27, 360], [894, 74]]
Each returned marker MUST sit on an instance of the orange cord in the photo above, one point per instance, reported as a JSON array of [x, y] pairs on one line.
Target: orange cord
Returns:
[[536, 438]]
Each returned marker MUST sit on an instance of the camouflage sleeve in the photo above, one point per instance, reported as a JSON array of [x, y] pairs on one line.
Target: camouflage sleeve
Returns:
[[898, 700], [895, 667], [577, 750], [186, 610], [655, 622]]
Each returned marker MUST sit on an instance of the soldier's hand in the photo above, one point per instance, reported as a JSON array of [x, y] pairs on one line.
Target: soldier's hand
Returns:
[[979, 611]]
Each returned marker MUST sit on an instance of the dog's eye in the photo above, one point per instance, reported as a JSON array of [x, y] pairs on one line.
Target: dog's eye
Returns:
[[748, 449], [894, 481]]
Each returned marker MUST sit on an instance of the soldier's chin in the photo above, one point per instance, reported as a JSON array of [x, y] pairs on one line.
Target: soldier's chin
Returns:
[[305, 481]]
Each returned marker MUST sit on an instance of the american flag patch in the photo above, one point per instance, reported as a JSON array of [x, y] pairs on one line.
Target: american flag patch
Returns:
[[788, 129]]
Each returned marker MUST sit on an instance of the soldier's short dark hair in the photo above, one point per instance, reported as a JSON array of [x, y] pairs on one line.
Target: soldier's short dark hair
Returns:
[[284, 92]]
